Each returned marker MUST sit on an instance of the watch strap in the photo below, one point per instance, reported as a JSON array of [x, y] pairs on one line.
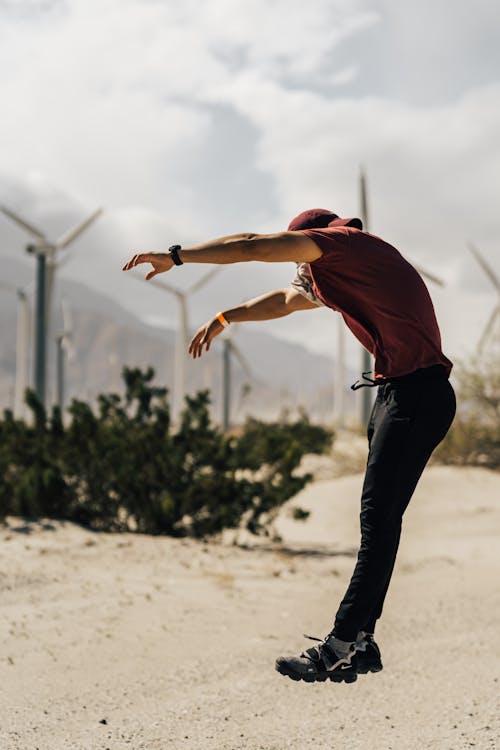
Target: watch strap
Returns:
[[173, 251]]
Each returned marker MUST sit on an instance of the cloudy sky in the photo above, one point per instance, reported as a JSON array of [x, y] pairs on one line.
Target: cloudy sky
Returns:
[[187, 120]]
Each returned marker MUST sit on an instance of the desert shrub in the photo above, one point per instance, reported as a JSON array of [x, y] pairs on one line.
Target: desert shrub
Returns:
[[271, 452], [474, 438], [121, 467], [32, 479]]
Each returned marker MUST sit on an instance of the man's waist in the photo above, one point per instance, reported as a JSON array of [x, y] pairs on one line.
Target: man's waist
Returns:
[[423, 373]]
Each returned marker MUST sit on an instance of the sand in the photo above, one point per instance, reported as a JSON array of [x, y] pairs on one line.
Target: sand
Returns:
[[125, 641]]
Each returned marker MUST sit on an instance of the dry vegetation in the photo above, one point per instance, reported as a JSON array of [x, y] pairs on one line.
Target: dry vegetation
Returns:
[[474, 438]]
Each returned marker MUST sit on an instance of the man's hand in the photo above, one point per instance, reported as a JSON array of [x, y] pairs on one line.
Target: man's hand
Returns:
[[204, 337], [161, 262]]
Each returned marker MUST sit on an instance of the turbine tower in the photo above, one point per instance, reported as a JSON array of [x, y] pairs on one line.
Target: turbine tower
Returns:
[[339, 386], [23, 336], [64, 348], [183, 330], [366, 357], [229, 348], [490, 325], [45, 252]]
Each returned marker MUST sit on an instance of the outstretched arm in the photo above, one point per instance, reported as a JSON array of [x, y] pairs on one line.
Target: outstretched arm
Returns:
[[275, 304], [270, 248]]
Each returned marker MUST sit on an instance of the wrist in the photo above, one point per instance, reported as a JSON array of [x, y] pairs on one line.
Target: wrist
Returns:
[[173, 252], [223, 319]]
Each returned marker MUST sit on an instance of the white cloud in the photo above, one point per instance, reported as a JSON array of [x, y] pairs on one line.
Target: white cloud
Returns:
[[118, 102], [345, 76], [282, 37], [430, 169]]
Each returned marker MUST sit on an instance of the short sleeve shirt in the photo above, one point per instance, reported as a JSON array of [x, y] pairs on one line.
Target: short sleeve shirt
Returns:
[[382, 298]]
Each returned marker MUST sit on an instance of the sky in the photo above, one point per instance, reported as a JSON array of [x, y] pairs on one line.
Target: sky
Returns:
[[189, 120]]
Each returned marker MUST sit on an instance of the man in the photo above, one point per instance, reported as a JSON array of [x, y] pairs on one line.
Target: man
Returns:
[[385, 303]]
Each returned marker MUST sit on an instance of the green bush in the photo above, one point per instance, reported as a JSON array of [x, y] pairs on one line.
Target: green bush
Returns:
[[123, 468]]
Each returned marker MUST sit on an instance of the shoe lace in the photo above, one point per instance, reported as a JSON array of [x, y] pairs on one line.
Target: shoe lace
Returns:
[[314, 653]]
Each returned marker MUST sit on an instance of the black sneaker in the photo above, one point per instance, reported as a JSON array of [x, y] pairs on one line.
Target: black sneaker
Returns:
[[319, 663], [368, 655]]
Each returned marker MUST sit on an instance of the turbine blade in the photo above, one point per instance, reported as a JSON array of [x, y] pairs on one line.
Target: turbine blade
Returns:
[[24, 224], [204, 279], [488, 328], [62, 262], [485, 266], [161, 285], [428, 275], [76, 231], [67, 332], [67, 317]]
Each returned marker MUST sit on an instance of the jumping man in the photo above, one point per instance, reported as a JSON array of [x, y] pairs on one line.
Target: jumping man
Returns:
[[386, 305]]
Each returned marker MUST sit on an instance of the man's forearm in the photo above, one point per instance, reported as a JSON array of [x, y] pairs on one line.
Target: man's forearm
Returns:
[[267, 307], [275, 304]]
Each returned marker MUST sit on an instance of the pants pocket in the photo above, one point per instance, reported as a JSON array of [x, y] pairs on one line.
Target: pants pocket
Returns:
[[402, 401]]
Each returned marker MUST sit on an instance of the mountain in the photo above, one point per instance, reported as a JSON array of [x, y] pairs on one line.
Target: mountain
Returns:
[[106, 336]]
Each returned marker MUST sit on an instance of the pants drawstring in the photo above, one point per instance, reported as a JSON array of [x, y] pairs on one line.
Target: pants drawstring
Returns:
[[371, 383]]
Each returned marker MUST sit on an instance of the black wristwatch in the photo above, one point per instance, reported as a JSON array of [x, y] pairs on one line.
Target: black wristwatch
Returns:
[[173, 251]]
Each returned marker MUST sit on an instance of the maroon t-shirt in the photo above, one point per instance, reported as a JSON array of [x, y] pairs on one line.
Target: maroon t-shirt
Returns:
[[381, 297]]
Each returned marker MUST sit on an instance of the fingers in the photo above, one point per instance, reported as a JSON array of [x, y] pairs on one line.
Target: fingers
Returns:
[[200, 340], [194, 343], [136, 259], [197, 344], [151, 274], [204, 337]]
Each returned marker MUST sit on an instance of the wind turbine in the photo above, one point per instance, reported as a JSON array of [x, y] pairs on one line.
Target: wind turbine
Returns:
[[64, 348], [23, 336], [182, 337], [229, 348], [45, 252], [366, 358], [496, 283], [339, 386]]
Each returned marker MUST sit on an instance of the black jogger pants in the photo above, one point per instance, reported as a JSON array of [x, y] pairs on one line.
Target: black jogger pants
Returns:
[[410, 416]]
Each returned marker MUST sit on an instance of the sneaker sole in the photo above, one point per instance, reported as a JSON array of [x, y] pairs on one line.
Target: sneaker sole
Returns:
[[346, 676], [373, 668]]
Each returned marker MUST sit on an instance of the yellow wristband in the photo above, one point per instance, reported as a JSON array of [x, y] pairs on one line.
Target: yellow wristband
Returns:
[[222, 320]]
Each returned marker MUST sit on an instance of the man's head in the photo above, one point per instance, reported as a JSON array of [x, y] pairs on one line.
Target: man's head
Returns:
[[318, 218]]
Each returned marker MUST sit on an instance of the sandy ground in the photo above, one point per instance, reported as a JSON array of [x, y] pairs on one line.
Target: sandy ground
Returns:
[[123, 641]]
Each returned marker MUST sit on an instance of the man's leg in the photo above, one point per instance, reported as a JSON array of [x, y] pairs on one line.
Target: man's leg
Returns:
[[410, 419], [424, 440]]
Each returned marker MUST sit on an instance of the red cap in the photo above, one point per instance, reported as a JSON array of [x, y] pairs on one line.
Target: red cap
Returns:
[[317, 218]]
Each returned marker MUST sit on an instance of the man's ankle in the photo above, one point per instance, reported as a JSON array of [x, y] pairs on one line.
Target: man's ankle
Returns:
[[341, 648]]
